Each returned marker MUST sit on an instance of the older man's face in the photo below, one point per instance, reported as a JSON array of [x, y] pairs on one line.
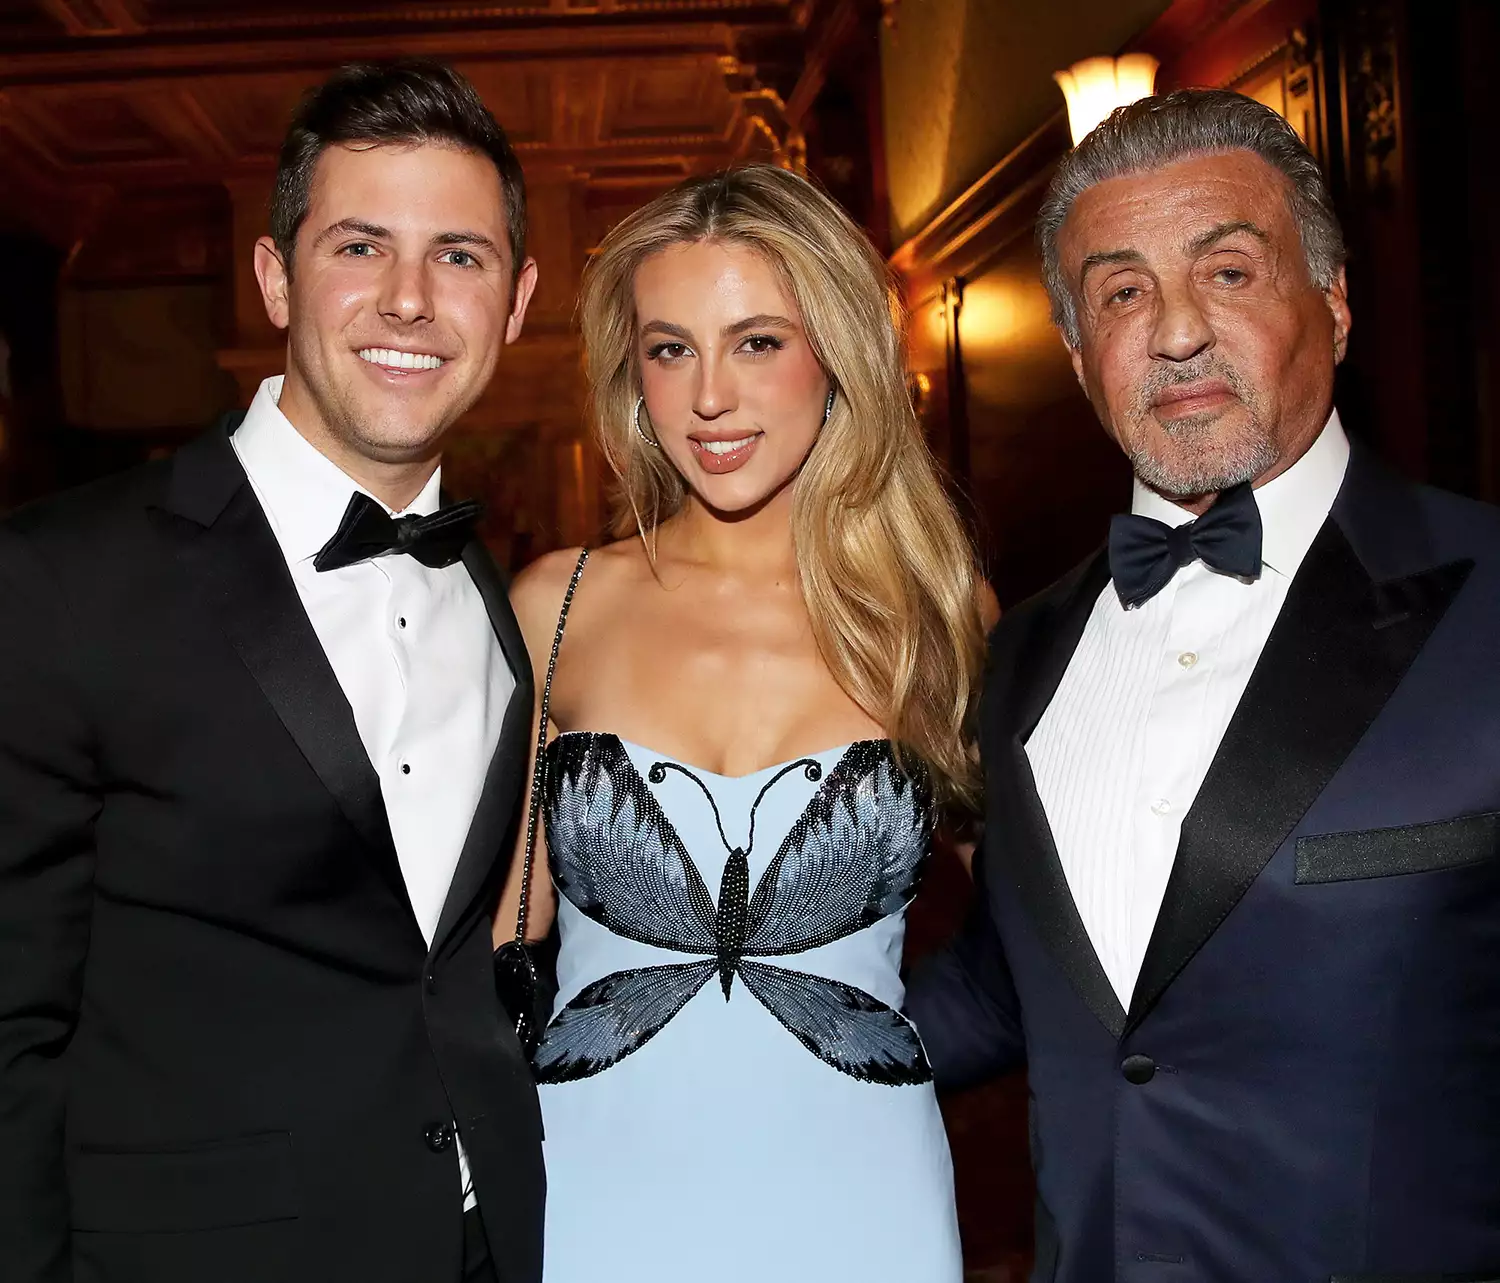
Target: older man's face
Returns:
[[1204, 345]]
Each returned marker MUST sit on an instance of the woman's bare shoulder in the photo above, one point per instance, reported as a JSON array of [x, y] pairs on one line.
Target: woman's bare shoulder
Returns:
[[539, 587], [537, 592]]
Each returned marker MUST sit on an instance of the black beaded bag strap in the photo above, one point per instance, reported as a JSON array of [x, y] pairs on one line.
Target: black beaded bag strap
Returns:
[[538, 771]]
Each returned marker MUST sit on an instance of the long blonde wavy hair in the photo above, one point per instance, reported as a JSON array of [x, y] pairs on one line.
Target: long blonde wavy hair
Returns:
[[887, 573]]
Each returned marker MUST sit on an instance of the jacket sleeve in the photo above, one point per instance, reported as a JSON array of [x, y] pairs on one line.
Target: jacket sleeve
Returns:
[[49, 799], [964, 1004]]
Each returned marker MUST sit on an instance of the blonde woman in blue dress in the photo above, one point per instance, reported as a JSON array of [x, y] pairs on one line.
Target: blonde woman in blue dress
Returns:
[[760, 702]]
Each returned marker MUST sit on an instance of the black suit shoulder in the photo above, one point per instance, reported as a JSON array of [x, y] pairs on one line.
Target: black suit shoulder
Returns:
[[83, 519], [1017, 621]]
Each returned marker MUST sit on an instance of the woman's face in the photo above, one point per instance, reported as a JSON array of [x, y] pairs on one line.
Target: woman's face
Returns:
[[733, 391]]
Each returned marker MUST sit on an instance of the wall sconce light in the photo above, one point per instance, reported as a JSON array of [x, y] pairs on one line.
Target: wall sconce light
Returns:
[[1096, 86]]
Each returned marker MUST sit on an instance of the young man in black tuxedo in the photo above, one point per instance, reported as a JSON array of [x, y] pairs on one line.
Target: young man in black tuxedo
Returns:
[[264, 720], [1238, 904]]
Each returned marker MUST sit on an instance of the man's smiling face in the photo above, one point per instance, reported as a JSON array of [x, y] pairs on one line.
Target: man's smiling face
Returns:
[[400, 296]]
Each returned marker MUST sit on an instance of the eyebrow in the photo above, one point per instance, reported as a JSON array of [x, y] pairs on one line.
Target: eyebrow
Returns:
[[1199, 243], [1105, 258], [357, 226], [478, 239], [666, 327], [1215, 234], [761, 321]]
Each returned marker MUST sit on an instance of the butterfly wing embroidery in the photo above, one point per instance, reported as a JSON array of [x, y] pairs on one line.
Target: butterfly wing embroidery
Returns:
[[854, 857], [626, 867], [614, 1017], [842, 1026]]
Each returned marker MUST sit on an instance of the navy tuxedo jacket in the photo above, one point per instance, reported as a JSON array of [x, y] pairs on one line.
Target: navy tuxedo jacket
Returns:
[[227, 1053], [1306, 1087]]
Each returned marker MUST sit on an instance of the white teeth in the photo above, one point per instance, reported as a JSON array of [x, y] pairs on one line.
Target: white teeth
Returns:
[[726, 447], [395, 360]]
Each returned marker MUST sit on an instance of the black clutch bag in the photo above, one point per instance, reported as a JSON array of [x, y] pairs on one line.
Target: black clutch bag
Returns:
[[516, 979], [516, 983]]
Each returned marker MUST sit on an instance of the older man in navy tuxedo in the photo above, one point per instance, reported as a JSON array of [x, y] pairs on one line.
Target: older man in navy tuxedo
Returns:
[[1238, 906]]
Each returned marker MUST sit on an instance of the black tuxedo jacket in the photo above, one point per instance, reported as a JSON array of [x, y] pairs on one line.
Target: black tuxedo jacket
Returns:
[[226, 1051], [1306, 1085]]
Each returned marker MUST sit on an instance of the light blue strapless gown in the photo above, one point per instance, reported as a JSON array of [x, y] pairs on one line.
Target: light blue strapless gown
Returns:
[[730, 1094]]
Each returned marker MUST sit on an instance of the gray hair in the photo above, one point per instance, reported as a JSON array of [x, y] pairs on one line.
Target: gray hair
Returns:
[[1170, 127]]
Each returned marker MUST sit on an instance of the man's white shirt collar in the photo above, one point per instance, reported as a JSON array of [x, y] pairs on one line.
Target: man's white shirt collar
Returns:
[[303, 491], [1292, 506]]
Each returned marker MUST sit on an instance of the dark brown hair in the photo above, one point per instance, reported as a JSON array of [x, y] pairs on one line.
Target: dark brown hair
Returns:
[[408, 101]]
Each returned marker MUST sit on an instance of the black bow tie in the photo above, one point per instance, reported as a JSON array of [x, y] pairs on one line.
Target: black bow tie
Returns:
[[1144, 553], [368, 530]]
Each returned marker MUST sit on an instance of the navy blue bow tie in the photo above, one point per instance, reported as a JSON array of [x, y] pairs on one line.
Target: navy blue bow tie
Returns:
[[1145, 553], [368, 530]]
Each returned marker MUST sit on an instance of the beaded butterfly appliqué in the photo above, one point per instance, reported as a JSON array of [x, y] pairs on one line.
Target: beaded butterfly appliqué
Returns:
[[853, 857]]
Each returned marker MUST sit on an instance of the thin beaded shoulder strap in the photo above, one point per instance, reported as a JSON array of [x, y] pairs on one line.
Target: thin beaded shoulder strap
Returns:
[[539, 769]]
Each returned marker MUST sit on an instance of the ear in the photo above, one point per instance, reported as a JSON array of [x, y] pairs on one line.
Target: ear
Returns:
[[524, 288], [275, 282], [1337, 295], [1075, 355]]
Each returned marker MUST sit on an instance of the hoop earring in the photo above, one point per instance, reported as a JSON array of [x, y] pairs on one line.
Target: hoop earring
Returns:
[[639, 431], [828, 409]]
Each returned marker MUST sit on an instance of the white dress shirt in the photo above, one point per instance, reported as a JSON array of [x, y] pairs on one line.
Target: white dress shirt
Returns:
[[412, 647], [1138, 717]]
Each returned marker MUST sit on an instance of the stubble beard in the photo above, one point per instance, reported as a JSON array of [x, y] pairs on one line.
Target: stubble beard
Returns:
[[364, 434], [1206, 461]]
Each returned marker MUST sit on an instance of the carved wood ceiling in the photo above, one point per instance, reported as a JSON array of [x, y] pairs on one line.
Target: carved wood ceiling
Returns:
[[100, 97]]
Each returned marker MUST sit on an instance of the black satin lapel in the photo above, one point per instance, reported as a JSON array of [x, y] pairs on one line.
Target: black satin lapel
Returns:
[[238, 571], [496, 596], [1338, 651], [1061, 618], [481, 863], [1027, 853]]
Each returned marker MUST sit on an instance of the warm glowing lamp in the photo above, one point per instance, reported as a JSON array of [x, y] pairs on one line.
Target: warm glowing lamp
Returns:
[[1096, 86]]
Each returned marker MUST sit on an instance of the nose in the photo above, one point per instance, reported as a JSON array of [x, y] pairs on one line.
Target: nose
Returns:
[[716, 393], [1182, 328], [406, 292]]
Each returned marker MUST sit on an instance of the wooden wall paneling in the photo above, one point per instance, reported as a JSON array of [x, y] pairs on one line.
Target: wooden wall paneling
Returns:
[[1446, 125], [1385, 390]]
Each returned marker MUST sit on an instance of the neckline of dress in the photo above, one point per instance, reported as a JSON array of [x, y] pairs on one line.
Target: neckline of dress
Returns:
[[840, 749]]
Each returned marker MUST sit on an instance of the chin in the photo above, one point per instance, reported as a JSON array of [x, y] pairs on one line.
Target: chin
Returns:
[[1218, 466], [737, 500], [402, 442]]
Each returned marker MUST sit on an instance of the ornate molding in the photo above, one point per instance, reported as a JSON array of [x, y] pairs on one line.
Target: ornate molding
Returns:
[[977, 227], [1370, 91]]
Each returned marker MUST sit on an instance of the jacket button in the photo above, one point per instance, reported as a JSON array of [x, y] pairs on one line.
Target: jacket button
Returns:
[[438, 1137], [1138, 1069], [432, 982]]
